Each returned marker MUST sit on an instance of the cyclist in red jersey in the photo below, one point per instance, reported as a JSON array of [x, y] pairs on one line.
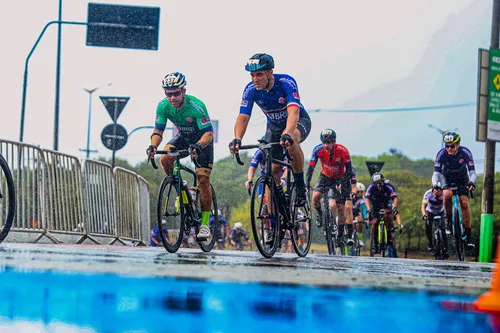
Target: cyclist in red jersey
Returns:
[[335, 178]]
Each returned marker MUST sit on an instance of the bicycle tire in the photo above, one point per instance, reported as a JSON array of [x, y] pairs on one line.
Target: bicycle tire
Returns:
[[328, 227], [305, 224], [459, 242], [207, 247], [10, 204], [355, 251], [383, 236], [258, 220], [168, 185], [438, 245]]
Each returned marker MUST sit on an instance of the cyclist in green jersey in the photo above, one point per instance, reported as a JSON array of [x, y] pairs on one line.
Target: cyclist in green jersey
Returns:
[[195, 132]]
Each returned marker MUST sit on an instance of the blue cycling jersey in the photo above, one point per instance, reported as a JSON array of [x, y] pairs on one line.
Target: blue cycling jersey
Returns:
[[274, 102], [222, 221]]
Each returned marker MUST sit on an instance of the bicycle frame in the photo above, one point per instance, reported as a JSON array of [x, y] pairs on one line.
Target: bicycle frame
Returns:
[[456, 206]]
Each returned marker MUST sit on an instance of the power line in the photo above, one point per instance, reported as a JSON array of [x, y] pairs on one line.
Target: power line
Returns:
[[411, 109]]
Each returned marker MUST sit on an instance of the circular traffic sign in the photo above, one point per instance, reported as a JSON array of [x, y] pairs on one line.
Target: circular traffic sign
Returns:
[[114, 136]]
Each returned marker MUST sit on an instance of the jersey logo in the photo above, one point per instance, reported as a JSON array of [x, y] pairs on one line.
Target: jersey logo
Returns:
[[189, 119], [205, 121], [244, 102], [296, 95], [157, 118], [461, 161], [282, 100]]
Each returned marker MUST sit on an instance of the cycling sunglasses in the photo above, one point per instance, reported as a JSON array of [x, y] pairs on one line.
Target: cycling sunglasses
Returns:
[[173, 94], [452, 146], [328, 141]]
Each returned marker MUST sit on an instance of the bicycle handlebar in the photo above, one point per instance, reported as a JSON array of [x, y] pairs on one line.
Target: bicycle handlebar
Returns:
[[174, 153], [262, 145]]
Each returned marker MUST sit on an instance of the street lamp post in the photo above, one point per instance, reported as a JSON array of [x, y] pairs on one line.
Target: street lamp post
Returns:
[[90, 92]]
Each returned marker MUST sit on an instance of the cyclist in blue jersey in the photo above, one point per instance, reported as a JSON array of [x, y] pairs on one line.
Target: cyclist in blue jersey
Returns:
[[223, 233], [432, 205], [455, 164], [287, 120], [238, 237], [156, 237], [381, 195]]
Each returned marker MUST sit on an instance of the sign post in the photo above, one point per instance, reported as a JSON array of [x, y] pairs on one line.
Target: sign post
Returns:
[[493, 131], [114, 136]]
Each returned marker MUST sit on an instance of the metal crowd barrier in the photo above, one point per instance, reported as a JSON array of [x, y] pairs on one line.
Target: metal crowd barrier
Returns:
[[56, 195]]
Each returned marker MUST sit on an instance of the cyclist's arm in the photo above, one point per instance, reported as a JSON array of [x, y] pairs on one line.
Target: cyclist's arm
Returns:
[[292, 120], [205, 139], [367, 203], [312, 163], [436, 176], [423, 207], [309, 174], [438, 164], [395, 202], [156, 138], [251, 172], [241, 125]]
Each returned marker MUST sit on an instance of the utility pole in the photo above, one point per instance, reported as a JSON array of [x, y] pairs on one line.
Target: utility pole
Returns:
[[58, 79]]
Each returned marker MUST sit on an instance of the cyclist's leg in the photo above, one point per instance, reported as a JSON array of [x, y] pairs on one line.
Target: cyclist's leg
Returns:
[[320, 187], [205, 160], [466, 214], [358, 223], [299, 135], [167, 161], [345, 195]]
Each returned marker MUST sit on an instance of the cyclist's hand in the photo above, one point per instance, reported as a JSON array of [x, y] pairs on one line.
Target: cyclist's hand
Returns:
[[353, 196], [286, 140], [425, 217], [234, 146], [151, 151], [283, 182], [249, 184], [195, 150], [400, 227], [471, 186]]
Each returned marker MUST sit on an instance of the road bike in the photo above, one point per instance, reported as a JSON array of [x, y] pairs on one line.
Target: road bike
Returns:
[[385, 243], [440, 250], [273, 210], [457, 222], [7, 199], [179, 206]]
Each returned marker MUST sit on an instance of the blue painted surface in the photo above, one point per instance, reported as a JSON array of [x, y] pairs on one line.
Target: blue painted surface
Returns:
[[111, 303]]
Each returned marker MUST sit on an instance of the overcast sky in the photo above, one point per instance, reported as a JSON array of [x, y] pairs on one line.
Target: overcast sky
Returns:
[[345, 55]]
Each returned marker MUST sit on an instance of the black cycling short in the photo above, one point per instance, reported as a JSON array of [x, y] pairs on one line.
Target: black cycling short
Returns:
[[460, 183], [325, 183], [206, 158], [273, 134]]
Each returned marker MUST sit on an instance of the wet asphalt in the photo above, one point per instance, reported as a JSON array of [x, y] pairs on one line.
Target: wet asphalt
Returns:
[[469, 278]]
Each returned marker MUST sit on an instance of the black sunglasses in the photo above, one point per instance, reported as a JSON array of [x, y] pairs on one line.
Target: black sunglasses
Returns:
[[173, 94], [452, 146]]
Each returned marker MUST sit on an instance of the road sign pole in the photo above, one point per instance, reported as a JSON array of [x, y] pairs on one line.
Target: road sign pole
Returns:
[[114, 132]]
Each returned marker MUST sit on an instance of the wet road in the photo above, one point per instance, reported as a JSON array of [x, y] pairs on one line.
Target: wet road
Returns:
[[322, 270]]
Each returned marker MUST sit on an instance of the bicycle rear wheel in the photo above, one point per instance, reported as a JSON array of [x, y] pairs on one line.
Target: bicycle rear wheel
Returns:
[[354, 250], [438, 245], [301, 222], [459, 242], [171, 215], [7, 199], [265, 217], [208, 244]]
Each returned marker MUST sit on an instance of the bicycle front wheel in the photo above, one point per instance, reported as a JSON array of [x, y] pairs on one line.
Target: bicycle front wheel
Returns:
[[208, 244], [170, 213], [328, 221], [265, 217], [382, 234], [301, 225], [459, 241], [7, 199]]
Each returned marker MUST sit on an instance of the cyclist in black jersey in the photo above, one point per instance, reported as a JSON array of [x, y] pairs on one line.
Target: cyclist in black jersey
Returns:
[[455, 164]]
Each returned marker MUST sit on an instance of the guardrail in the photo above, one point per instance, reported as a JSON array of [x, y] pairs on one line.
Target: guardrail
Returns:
[[64, 200]]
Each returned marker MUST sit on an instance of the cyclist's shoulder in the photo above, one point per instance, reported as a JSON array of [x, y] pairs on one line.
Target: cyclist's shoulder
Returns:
[[428, 193], [341, 148], [164, 104], [317, 148], [465, 150], [249, 90], [441, 153], [195, 102], [285, 78]]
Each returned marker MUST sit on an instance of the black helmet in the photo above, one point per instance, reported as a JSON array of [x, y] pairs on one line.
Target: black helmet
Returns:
[[437, 186], [451, 137], [378, 177], [260, 62], [328, 135]]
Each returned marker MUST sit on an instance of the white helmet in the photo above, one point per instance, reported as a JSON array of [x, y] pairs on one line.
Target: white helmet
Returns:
[[238, 225], [360, 187]]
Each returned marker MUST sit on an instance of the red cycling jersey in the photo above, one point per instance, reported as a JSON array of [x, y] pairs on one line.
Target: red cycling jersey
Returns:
[[332, 165]]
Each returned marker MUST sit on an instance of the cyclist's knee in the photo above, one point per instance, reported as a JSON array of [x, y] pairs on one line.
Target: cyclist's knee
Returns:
[[464, 202]]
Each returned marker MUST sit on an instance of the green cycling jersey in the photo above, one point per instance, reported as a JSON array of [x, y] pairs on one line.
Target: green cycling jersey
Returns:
[[192, 120]]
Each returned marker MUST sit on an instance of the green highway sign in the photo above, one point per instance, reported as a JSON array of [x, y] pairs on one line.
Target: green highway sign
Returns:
[[493, 132]]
